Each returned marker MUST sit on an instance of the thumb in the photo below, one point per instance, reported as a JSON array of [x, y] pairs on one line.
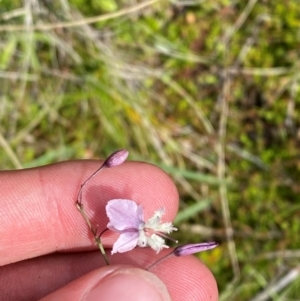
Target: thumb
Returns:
[[113, 283]]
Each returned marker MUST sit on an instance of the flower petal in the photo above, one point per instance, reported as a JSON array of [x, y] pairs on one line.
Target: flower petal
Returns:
[[126, 242], [156, 242], [124, 214]]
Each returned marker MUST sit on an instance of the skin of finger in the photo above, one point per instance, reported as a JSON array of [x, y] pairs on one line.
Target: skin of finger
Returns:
[[78, 289], [37, 206], [186, 277]]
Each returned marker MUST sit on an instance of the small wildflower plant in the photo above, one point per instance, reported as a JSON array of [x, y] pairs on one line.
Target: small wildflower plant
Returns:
[[126, 217]]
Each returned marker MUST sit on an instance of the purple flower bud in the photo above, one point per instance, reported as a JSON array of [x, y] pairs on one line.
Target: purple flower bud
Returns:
[[194, 248], [116, 158]]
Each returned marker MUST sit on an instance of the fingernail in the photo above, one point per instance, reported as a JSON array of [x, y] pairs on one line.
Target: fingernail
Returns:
[[129, 284]]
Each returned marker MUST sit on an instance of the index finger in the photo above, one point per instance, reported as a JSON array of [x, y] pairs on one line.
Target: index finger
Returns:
[[37, 206]]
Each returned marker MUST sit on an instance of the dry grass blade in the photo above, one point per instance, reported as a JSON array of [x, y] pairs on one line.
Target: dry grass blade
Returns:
[[221, 174], [101, 18], [278, 286], [284, 254], [18, 75], [181, 91], [277, 71], [240, 21], [10, 153], [46, 110]]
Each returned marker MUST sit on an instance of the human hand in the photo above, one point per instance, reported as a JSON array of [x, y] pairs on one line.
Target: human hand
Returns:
[[46, 248]]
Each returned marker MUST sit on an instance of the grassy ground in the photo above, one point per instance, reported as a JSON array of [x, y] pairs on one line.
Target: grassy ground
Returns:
[[208, 90]]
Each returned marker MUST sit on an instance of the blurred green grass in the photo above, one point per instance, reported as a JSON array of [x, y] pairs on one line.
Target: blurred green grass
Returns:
[[209, 91]]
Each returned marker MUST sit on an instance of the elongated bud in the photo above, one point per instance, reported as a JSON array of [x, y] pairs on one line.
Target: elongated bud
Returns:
[[116, 158], [194, 248], [186, 250]]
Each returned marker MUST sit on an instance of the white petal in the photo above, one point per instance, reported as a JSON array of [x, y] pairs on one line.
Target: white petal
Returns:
[[124, 214], [156, 242], [165, 228], [155, 219], [126, 242], [142, 240]]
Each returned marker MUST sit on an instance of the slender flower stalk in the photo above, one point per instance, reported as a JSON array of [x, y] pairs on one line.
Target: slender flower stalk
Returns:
[[186, 250], [113, 160]]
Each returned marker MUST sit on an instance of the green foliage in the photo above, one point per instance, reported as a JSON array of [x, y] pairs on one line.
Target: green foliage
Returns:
[[94, 7]]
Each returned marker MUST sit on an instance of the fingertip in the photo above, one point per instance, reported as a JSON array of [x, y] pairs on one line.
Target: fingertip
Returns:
[[196, 280], [186, 277], [113, 283]]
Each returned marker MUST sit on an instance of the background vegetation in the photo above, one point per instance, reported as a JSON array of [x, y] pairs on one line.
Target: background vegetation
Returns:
[[208, 90]]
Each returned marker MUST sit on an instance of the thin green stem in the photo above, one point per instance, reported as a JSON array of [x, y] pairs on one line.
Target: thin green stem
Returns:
[[93, 230]]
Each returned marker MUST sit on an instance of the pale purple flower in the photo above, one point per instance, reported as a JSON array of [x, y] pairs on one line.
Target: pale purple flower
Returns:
[[127, 218]]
